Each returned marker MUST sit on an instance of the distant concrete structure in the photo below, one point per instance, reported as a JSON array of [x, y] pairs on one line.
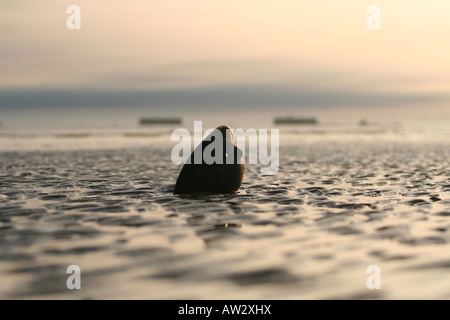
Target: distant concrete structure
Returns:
[[295, 120], [159, 121]]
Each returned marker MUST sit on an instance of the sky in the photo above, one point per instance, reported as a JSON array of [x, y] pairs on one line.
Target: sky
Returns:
[[225, 53]]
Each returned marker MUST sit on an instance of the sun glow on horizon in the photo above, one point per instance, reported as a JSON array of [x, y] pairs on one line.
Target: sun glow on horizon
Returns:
[[175, 44]]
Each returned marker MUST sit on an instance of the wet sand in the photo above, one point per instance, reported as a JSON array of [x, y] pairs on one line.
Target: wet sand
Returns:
[[310, 232]]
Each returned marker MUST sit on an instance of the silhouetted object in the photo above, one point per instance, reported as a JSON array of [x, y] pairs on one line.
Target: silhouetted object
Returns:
[[292, 120], [156, 121], [215, 177], [363, 122]]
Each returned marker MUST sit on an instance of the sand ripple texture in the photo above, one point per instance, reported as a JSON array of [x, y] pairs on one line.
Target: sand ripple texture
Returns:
[[310, 232]]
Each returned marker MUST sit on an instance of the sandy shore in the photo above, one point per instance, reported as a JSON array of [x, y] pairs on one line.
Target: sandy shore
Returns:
[[311, 231]]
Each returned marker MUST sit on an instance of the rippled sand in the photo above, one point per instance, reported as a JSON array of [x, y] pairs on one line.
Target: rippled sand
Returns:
[[310, 232]]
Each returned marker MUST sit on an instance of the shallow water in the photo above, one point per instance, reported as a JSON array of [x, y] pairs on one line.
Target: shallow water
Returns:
[[310, 232]]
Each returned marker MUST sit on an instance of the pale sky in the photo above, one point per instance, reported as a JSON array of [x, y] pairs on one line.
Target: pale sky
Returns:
[[321, 46]]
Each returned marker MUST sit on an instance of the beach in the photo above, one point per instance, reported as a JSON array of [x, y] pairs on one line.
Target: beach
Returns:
[[341, 111], [335, 208]]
